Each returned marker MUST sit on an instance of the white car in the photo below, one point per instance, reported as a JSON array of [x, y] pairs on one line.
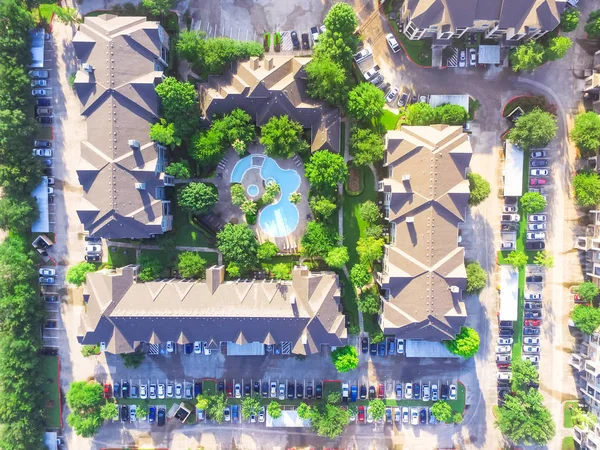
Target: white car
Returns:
[[452, 394], [261, 414], [390, 96], [540, 235], [170, 346], [143, 391], [170, 390], [462, 60], [392, 42], [39, 92], [47, 272], [400, 346], [345, 389], [536, 226], [408, 391], [404, 414], [504, 375], [539, 172], [178, 390], [161, 391], [132, 411], [362, 55], [93, 248], [46, 152], [273, 389], [414, 416], [227, 414], [238, 390], [536, 218], [505, 341], [281, 391], [507, 245], [538, 154], [509, 209], [532, 358], [504, 358], [503, 349], [372, 72], [533, 296], [152, 391], [197, 347], [472, 57], [434, 392], [426, 392], [531, 340], [531, 349]]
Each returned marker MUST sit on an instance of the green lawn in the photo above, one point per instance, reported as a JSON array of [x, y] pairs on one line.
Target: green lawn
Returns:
[[568, 443], [419, 51], [187, 233], [209, 387], [389, 120], [567, 416], [349, 299], [51, 391], [120, 257]]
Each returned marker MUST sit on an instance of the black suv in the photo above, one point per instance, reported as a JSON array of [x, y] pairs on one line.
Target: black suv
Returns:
[[291, 391], [363, 392], [295, 41], [256, 388], [444, 392], [538, 245], [125, 389], [309, 391], [125, 413], [365, 345], [319, 390], [299, 390], [161, 417], [372, 393], [247, 390], [265, 389]]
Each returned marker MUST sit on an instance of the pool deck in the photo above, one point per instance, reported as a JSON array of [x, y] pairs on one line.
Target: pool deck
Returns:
[[231, 213]]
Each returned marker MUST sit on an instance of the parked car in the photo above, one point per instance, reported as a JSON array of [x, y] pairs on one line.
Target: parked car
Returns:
[[536, 236], [314, 31], [161, 391], [391, 346], [373, 349], [143, 392], [503, 358], [47, 280], [416, 390], [539, 172], [504, 375], [372, 393], [362, 55], [47, 152], [39, 73], [538, 154], [124, 413], [533, 305], [531, 349], [238, 390], [161, 417], [377, 80], [507, 245], [399, 391], [265, 389], [408, 391], [539, 245], [392, 42], [45, 120], [533, 315], [235, 413], [534, 279], [504, 341], [319, 390], [299, 390], [363, 392], [382, 349], [227, 414], [402, 101], [364, 345], [125, 389], [305, 44], [42, 143], [261, 414], [391, 95], [444, 389], [534, 359], [434, 392], [400, 346], [106, 390], [295, 41], [538, 163], [536, 218], [533, 323], [536, 226], [503, 349], [509, 209], [537, 181], [291, 391], [426, 392], [371, 73], [423, 416], [452, 393], [281, 395], [178, 390], [404, 414], [132, 411], [533, 296], [531, 331], [361, 414], [462, 59], [510, 217], [531, 341], [38, 83], [472, 57], [414, 416], [381, 391], [39, 92], [353, 393], [506, 332], [397, 415], [91, 258]]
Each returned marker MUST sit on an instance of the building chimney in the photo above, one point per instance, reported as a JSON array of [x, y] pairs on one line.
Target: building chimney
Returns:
[[254, 63], [215, 276], [269, 63]]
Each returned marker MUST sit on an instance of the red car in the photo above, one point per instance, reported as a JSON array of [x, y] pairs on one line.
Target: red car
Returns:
[[381, 393], [537, 181], [532, 323], [229, 389], [503, 366], [361, 414], [106, 390]]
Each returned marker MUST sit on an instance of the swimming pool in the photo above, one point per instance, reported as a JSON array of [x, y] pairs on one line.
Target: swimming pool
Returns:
[[281, 218]]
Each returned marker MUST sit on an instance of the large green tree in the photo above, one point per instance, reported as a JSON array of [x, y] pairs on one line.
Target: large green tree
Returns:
[[77, 274], [179, 170], [338, 42], [479, 187], [321, 206], [238, 244], [198, 197], [267, 250], [466, 343], [451, 114], [329, 420], [216, 407], [360, 275], [517, 258], [179, 105], [533, 202], [325, 170], [533, 129], [327, 81], [587, 189], [318, 240], [369, 302], [282, 137], [274, 410], [17, 214], [586, 133], [524, 373], [420, 113], [366, 146], [586, 318], [377, 408], [365, 102], [527, 57], [587, 291], [476, 278], [164, 133], [558, 47], [544, 258], [337, 257], [442, 411], [592, 26], [345, 358], [369, 212], [369, 250], [191, 265], [158, 7], [250, 406], [85, 400], [569, 19]]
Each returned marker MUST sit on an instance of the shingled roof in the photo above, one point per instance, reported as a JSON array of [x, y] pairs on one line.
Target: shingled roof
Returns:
[[305, 311], [121, 62], [424, 267], [272, 86]]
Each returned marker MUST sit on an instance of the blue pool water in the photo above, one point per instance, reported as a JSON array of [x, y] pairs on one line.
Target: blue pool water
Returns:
[[281, 218]]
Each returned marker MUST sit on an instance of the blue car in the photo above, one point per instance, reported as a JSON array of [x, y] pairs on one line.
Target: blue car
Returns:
[[353, 393], [234, 413], [382, 348], [116, 389], [152, 414], [416, 390]]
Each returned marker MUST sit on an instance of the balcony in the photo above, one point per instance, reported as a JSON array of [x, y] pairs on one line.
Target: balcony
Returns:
[[383, 278]]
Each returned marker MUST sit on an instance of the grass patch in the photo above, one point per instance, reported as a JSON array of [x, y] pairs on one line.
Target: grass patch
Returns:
[[354, 226], [349, 300], [389, 120], [418, 51], [51, 391], [496, 411], [567, 413], [568, 443], [528, 103], [370, 323], [288, 260], [209, 387], [121, 257], [188, 233]]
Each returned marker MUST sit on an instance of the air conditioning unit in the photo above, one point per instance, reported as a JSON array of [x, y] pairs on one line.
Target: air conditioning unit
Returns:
[[293, 299], [410, 219], [133, 143], [454, 289], [140, 186], [87, 67], [405, 177]]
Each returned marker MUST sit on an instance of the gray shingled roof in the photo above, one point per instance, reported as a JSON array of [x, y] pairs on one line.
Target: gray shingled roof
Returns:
[[429, 195], [120, 104], [121, 312]]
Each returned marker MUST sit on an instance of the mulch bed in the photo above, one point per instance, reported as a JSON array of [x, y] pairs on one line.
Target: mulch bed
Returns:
[[354, 181]]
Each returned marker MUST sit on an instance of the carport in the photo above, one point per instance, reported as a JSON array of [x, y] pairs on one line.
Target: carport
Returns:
[[37, 47], [288, 419], [460, 100], [513, 170], [509, 293], [427, 349], [40, 193], [489, 54], [250, 349]]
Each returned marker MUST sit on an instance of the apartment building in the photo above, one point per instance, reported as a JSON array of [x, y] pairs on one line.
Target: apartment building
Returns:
[[590, 244]]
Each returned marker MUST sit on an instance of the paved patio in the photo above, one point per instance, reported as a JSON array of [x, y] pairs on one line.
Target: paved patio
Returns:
[[228, 212]]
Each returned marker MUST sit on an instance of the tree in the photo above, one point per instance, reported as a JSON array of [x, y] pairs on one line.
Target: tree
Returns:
[[334, 398], [365, 102], [271, 191], [366, 146], [545, 259], [318, 240], [338, 42], [451, 114], [236, 126], [85, 400], [325, 170], [457, 417], [377, 408], [524, 418], [267, 250], [157, 7], [524, 373], [202, 402], [233, 270], [466, 343], [141, 410], [216, 406], [331, 420], [442, 411], [345, 358], [360, 275], [134, 359], [281, 271], [238, 244], [517, 258], [586, 133], [77, 273], [569, 19], [369, 302], [558, 47], [295, 197], [375, 231], [586, 318], [304, 411], [592, 27], [179, 105], [191, 265], [533, 202], [587, 291], [250, 406], [479, 188], [150, 267], [198, 197], [476, 278], [109, 411], [341, 19], [533, 129], [90, 350], [179, 170], [369, 250], [369, 212], [582, 419], [337, 257], [164, 133], [528, 56], [282, 137], [238, 194], [274, 410], [587, 189], [64, 15], [17, 214], [326, 80], [321, 206], [420, 113]]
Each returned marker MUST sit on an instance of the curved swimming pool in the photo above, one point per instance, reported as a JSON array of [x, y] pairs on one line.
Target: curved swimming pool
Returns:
[[281, 218]]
